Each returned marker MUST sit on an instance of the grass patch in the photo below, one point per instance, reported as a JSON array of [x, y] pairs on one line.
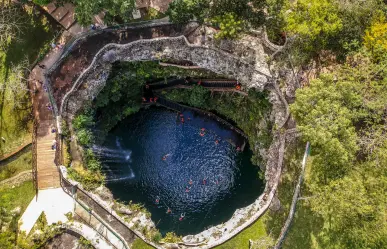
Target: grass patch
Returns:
[[19, 196], [140, 244], [15, 105], [21, 163], [241, 241]]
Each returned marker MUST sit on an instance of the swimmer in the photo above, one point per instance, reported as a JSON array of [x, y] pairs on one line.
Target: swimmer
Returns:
[[238, 148], [182, 120], [157, 200], [169, 211], [187, 189], [165, 157], [204, 181], [190, 182], [181, 216], [201, 134], [216, 142]]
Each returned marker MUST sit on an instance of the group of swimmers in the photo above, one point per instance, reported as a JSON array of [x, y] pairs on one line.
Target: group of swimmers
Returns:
[[151, 100], [182, 118], [169, 211]]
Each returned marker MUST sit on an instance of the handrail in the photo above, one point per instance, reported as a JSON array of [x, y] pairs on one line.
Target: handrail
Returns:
[[62, 179], [34, 157]]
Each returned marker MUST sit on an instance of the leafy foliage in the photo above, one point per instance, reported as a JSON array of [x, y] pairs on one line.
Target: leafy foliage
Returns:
[[313, 22], [229, 26], [344, 121], [375, 39], [86, 9], [183, 11]]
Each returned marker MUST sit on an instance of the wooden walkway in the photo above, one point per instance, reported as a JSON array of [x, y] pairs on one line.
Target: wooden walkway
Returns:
[[47, 172]]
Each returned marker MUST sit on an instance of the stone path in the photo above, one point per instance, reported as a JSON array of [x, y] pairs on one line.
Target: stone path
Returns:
[[55, 203], [97, 241]]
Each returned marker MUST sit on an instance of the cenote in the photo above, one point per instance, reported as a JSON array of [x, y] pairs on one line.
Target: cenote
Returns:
[[199, 178]]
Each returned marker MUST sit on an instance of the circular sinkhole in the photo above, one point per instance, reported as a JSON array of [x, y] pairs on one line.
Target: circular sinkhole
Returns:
[[179, 169]]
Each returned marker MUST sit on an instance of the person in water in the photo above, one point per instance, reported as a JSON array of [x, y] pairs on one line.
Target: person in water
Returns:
[[216, 141], [187, 189], [204, 181], [182, 216], [165, 157], [169, 211], [190, 182], [238, 148], [157, 200]]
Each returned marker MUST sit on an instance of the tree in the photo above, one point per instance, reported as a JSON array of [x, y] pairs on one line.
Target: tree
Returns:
[[229, 26], [313, 23], [183, 11], [375, 39], [10, 24], [86, 9], [325, 121]]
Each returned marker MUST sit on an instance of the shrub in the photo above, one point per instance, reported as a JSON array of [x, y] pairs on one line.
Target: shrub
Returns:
[[83, 121], [229, 26], [171, 237], [85, 137]]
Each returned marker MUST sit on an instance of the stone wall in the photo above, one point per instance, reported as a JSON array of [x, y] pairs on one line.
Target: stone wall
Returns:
[[93, 79], [17, 180], [251, 73]]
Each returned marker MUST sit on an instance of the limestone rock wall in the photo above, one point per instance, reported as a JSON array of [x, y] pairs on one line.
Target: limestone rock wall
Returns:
[[250, 70], [93, 79]]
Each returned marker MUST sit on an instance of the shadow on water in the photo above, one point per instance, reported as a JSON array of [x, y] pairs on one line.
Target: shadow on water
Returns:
[[154, 159]]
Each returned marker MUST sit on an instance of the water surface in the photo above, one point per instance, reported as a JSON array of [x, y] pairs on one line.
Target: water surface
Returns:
[[203, 180]]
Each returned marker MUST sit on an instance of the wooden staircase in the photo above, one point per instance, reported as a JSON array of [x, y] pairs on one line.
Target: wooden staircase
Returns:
[[63, 14], [48, 175]]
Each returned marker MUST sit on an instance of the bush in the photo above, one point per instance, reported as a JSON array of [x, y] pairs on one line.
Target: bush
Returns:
[[157, 237], [171, 237], [85, 137], [229, 26], [199, 96], [83, 121]]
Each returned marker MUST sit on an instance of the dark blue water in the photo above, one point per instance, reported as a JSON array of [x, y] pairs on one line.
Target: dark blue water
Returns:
[[200, 179]]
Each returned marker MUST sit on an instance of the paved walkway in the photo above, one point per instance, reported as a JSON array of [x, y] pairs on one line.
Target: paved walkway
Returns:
[[97, 240], [55, 203]]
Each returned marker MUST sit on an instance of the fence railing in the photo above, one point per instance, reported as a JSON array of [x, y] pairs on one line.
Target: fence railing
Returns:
[[180, 107], [292, 211], [34, 157], [86, 203]]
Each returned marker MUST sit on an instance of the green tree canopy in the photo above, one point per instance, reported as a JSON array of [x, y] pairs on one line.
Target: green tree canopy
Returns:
[[86, 9]]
